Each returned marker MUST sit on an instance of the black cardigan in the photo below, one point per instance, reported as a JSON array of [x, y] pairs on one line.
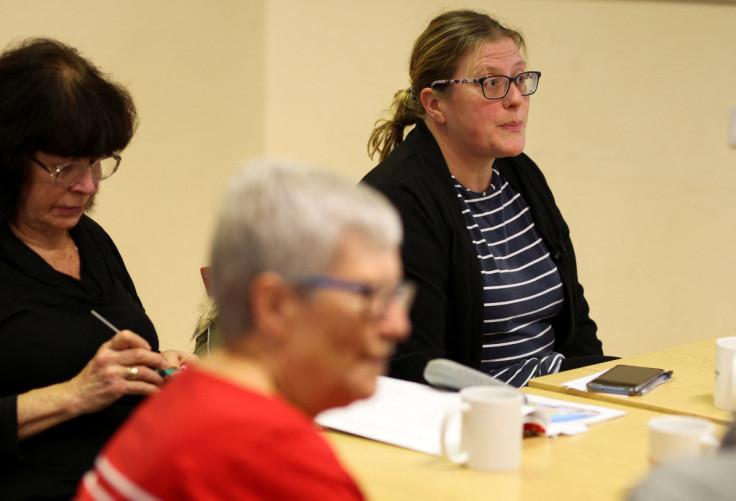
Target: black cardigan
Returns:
[[439, 256]]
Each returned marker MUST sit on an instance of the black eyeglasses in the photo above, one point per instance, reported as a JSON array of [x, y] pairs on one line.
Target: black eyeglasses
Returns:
[[69, 174], [497, 86], [377, 298]]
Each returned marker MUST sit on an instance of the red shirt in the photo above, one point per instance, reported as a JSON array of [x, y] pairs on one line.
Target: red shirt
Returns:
[[203, 438]]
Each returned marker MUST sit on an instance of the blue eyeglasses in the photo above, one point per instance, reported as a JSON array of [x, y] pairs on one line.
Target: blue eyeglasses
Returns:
[[377, 298]]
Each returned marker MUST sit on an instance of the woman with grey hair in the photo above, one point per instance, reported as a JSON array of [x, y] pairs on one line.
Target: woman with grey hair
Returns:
[[307, 280]]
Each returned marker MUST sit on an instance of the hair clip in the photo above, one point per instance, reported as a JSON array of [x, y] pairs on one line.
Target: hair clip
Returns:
[[413, 95]]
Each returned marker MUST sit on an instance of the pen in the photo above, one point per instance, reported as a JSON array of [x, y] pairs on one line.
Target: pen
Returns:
[[161, 372], [663, 378]]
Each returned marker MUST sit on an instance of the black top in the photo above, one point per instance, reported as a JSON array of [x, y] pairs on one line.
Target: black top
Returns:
[[48, 335], [438, 254]]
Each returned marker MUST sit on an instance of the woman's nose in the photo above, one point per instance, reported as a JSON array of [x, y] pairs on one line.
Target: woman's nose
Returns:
[[395, 324], [86, 184], [513, 96]]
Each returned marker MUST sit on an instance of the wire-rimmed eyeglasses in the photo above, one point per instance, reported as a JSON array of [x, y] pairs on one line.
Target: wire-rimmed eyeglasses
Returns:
[[377, 298], [497, 86], [69, 174]]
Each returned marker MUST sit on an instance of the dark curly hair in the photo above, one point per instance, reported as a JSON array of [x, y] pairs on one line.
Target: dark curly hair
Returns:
[[54, 100]]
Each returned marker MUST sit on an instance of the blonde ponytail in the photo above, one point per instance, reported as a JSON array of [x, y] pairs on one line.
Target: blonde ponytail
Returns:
[[389, 133]]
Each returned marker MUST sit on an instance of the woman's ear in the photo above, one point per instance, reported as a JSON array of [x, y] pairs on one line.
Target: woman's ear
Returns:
[[431, 104], [273, 302]]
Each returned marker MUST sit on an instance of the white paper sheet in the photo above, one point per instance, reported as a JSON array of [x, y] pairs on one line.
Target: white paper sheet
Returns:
[[410, 415]]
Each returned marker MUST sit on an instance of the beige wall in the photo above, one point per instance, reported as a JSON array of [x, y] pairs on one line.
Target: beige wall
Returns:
[[195, 69], [629, 125]]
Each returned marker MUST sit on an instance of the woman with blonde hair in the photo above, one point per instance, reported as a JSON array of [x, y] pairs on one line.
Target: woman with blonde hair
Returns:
[[485, 242]]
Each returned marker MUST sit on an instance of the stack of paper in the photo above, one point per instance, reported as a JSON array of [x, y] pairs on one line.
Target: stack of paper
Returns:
[[410, 415]]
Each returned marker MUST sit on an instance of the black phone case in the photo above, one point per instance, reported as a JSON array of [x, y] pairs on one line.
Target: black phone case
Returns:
[[625, 380]]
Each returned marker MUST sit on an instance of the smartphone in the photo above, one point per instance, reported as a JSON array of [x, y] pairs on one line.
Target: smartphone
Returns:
[[628, 380]]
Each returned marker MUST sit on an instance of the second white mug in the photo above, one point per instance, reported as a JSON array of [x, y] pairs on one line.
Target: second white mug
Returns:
[[491, 429], [680, 437], [724, 395]]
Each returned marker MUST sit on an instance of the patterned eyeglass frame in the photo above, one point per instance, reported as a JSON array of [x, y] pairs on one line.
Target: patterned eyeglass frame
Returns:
[[480, 81]]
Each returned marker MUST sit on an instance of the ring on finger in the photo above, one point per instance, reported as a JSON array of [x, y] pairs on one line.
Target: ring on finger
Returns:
[[132, 373]]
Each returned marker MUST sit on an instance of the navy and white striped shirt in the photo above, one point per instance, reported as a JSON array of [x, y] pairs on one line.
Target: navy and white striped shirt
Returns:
[[522, 289]]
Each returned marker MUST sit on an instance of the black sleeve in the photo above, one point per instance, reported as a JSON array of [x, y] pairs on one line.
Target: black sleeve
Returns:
[[425, 263], [584, 331], [8, 430], [425, 255]]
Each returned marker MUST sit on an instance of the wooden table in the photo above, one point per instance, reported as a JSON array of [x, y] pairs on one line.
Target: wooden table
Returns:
[[690, 392], [600, 465]]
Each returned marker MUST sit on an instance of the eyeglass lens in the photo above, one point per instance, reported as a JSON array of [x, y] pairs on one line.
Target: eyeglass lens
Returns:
[[497, 87], [382, 299], [69, 174]]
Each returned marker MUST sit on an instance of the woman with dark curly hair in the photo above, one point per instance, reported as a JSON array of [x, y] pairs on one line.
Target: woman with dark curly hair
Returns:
[[66, 382]]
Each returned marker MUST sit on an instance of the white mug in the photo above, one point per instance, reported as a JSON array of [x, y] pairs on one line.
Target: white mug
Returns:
[[680, 437], [724, 396], [491, 429]]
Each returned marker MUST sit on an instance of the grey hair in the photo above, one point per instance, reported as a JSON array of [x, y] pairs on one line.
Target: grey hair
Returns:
[[284, 217]]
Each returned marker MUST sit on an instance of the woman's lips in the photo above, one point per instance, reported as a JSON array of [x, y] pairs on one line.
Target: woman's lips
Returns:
[[513, 126], [71, 211]]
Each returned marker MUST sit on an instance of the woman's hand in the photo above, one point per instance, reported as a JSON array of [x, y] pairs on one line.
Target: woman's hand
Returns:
[[124, 365], [175, 359]]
